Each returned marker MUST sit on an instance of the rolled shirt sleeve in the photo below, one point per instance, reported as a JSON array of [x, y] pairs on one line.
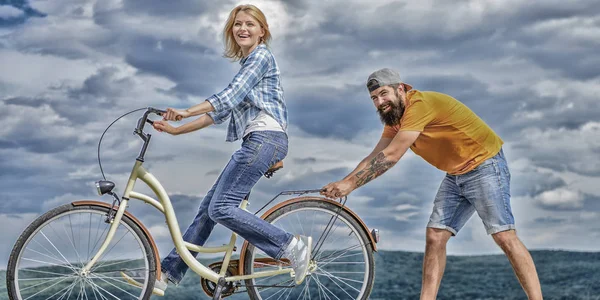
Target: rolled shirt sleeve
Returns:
[[221, 117]]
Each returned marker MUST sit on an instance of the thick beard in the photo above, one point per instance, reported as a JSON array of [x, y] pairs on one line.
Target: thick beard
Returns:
[[396, 112]]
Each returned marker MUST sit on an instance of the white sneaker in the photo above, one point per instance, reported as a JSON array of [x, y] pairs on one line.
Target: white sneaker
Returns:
[[159, 285], [299, 252]]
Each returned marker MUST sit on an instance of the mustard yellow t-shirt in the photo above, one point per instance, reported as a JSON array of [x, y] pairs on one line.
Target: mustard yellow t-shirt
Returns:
[[453, 138]]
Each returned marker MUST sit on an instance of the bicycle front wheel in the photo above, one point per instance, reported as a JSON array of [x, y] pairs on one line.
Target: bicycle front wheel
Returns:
[[343, 265], [47, 259]]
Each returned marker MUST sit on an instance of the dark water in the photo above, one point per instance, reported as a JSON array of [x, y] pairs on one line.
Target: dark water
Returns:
[[563, 274]]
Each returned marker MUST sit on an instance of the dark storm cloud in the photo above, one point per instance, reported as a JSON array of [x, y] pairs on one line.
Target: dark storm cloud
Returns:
[[340, 43], [42, 182], [8, 167], [449, 48], [591, 203], [213, 172], [562, 149], [532, 182], [34, 135], [550, 221], [175, 8], [489, 36], [333, 112], [195, 69], [4, 144], [103, 85], [307, 160], [22, 5], [579, 64], [297, 8], [25, 101]]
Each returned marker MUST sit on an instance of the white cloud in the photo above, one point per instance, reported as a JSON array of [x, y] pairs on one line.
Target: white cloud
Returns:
[[46, 58], [9, 12], [561, 198], [572, 149], [405, 216], [32, 74], [160, 231], [404, 207], [12, 226], [62, 199]]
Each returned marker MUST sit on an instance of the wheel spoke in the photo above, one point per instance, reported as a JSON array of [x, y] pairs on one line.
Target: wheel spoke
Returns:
[[73, 240], [339, 278], [38, 271], [67, 289], [341, 252], [47, 288], [48, 263], [323, 288], [66, 260], [122, 290], [53, 251], [44, 281], [112, 264]]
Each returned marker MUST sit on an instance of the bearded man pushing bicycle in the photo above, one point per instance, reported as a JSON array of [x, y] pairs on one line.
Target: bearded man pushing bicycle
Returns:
[[448, 135]]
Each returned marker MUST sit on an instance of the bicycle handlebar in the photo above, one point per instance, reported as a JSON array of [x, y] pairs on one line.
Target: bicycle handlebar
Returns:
[[139, 129], [141, 122]]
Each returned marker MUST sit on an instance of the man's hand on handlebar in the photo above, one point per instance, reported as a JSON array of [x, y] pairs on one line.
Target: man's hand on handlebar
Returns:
[[175, 115]]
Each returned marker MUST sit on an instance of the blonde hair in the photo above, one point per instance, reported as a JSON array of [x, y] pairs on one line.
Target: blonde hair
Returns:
[[232, 49]]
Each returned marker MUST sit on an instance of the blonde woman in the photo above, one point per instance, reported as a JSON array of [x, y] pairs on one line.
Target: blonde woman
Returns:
[[255, 105]]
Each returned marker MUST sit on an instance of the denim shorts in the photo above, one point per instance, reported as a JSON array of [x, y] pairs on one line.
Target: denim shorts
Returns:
[[485, 190]]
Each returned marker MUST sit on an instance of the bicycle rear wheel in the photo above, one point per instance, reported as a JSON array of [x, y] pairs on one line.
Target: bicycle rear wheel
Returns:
[[343, 257], [45, 262]]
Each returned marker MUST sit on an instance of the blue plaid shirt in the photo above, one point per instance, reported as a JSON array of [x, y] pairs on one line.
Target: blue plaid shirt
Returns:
[[256, 87]]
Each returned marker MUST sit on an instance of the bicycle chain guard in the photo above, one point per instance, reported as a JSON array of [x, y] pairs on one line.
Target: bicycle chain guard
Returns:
[[209, 286]]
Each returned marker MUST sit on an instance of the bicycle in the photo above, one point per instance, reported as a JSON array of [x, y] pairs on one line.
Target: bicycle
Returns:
[[85, 249]]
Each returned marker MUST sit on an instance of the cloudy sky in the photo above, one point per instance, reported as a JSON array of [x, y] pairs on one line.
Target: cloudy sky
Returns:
[[529, 69]]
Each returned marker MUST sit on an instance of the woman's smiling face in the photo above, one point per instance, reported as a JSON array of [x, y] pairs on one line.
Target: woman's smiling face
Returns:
[[247, 32]]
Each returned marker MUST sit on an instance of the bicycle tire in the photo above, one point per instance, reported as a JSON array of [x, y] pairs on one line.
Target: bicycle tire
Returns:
[[56, 214], [310, 207]]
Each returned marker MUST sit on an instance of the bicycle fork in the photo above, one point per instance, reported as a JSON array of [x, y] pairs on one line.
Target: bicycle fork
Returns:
[[109, 236]]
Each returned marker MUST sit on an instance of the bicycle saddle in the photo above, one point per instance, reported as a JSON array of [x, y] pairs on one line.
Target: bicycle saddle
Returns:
[[278, 165]]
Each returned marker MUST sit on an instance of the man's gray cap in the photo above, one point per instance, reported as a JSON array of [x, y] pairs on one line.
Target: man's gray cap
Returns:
[[384, 77]]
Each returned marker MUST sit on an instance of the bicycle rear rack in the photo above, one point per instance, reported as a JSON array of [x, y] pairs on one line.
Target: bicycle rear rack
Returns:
[[288, 193]]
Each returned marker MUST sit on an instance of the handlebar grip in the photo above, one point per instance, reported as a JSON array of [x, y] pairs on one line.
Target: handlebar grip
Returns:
[[156, 111]]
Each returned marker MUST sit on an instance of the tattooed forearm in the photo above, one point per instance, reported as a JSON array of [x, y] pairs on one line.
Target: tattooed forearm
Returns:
[[377, 166]]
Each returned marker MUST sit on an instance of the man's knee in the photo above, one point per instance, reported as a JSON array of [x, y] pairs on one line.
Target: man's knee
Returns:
[[506, 239], [436, 237]]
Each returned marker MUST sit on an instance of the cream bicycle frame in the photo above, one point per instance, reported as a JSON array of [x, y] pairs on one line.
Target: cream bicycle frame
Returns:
[[165, 206]]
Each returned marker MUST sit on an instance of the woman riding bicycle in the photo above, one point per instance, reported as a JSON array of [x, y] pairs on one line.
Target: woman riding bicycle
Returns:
[[255, 105]]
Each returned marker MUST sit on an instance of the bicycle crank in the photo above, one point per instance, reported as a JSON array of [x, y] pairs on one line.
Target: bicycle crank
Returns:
[[209, 287]]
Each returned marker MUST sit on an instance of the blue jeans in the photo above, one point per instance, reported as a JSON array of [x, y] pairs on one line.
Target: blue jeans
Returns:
[[485, 189], [259, 151]]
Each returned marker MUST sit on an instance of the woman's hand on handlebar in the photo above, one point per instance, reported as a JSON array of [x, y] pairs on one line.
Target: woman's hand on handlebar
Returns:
[[164, 126], [175, 114]]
